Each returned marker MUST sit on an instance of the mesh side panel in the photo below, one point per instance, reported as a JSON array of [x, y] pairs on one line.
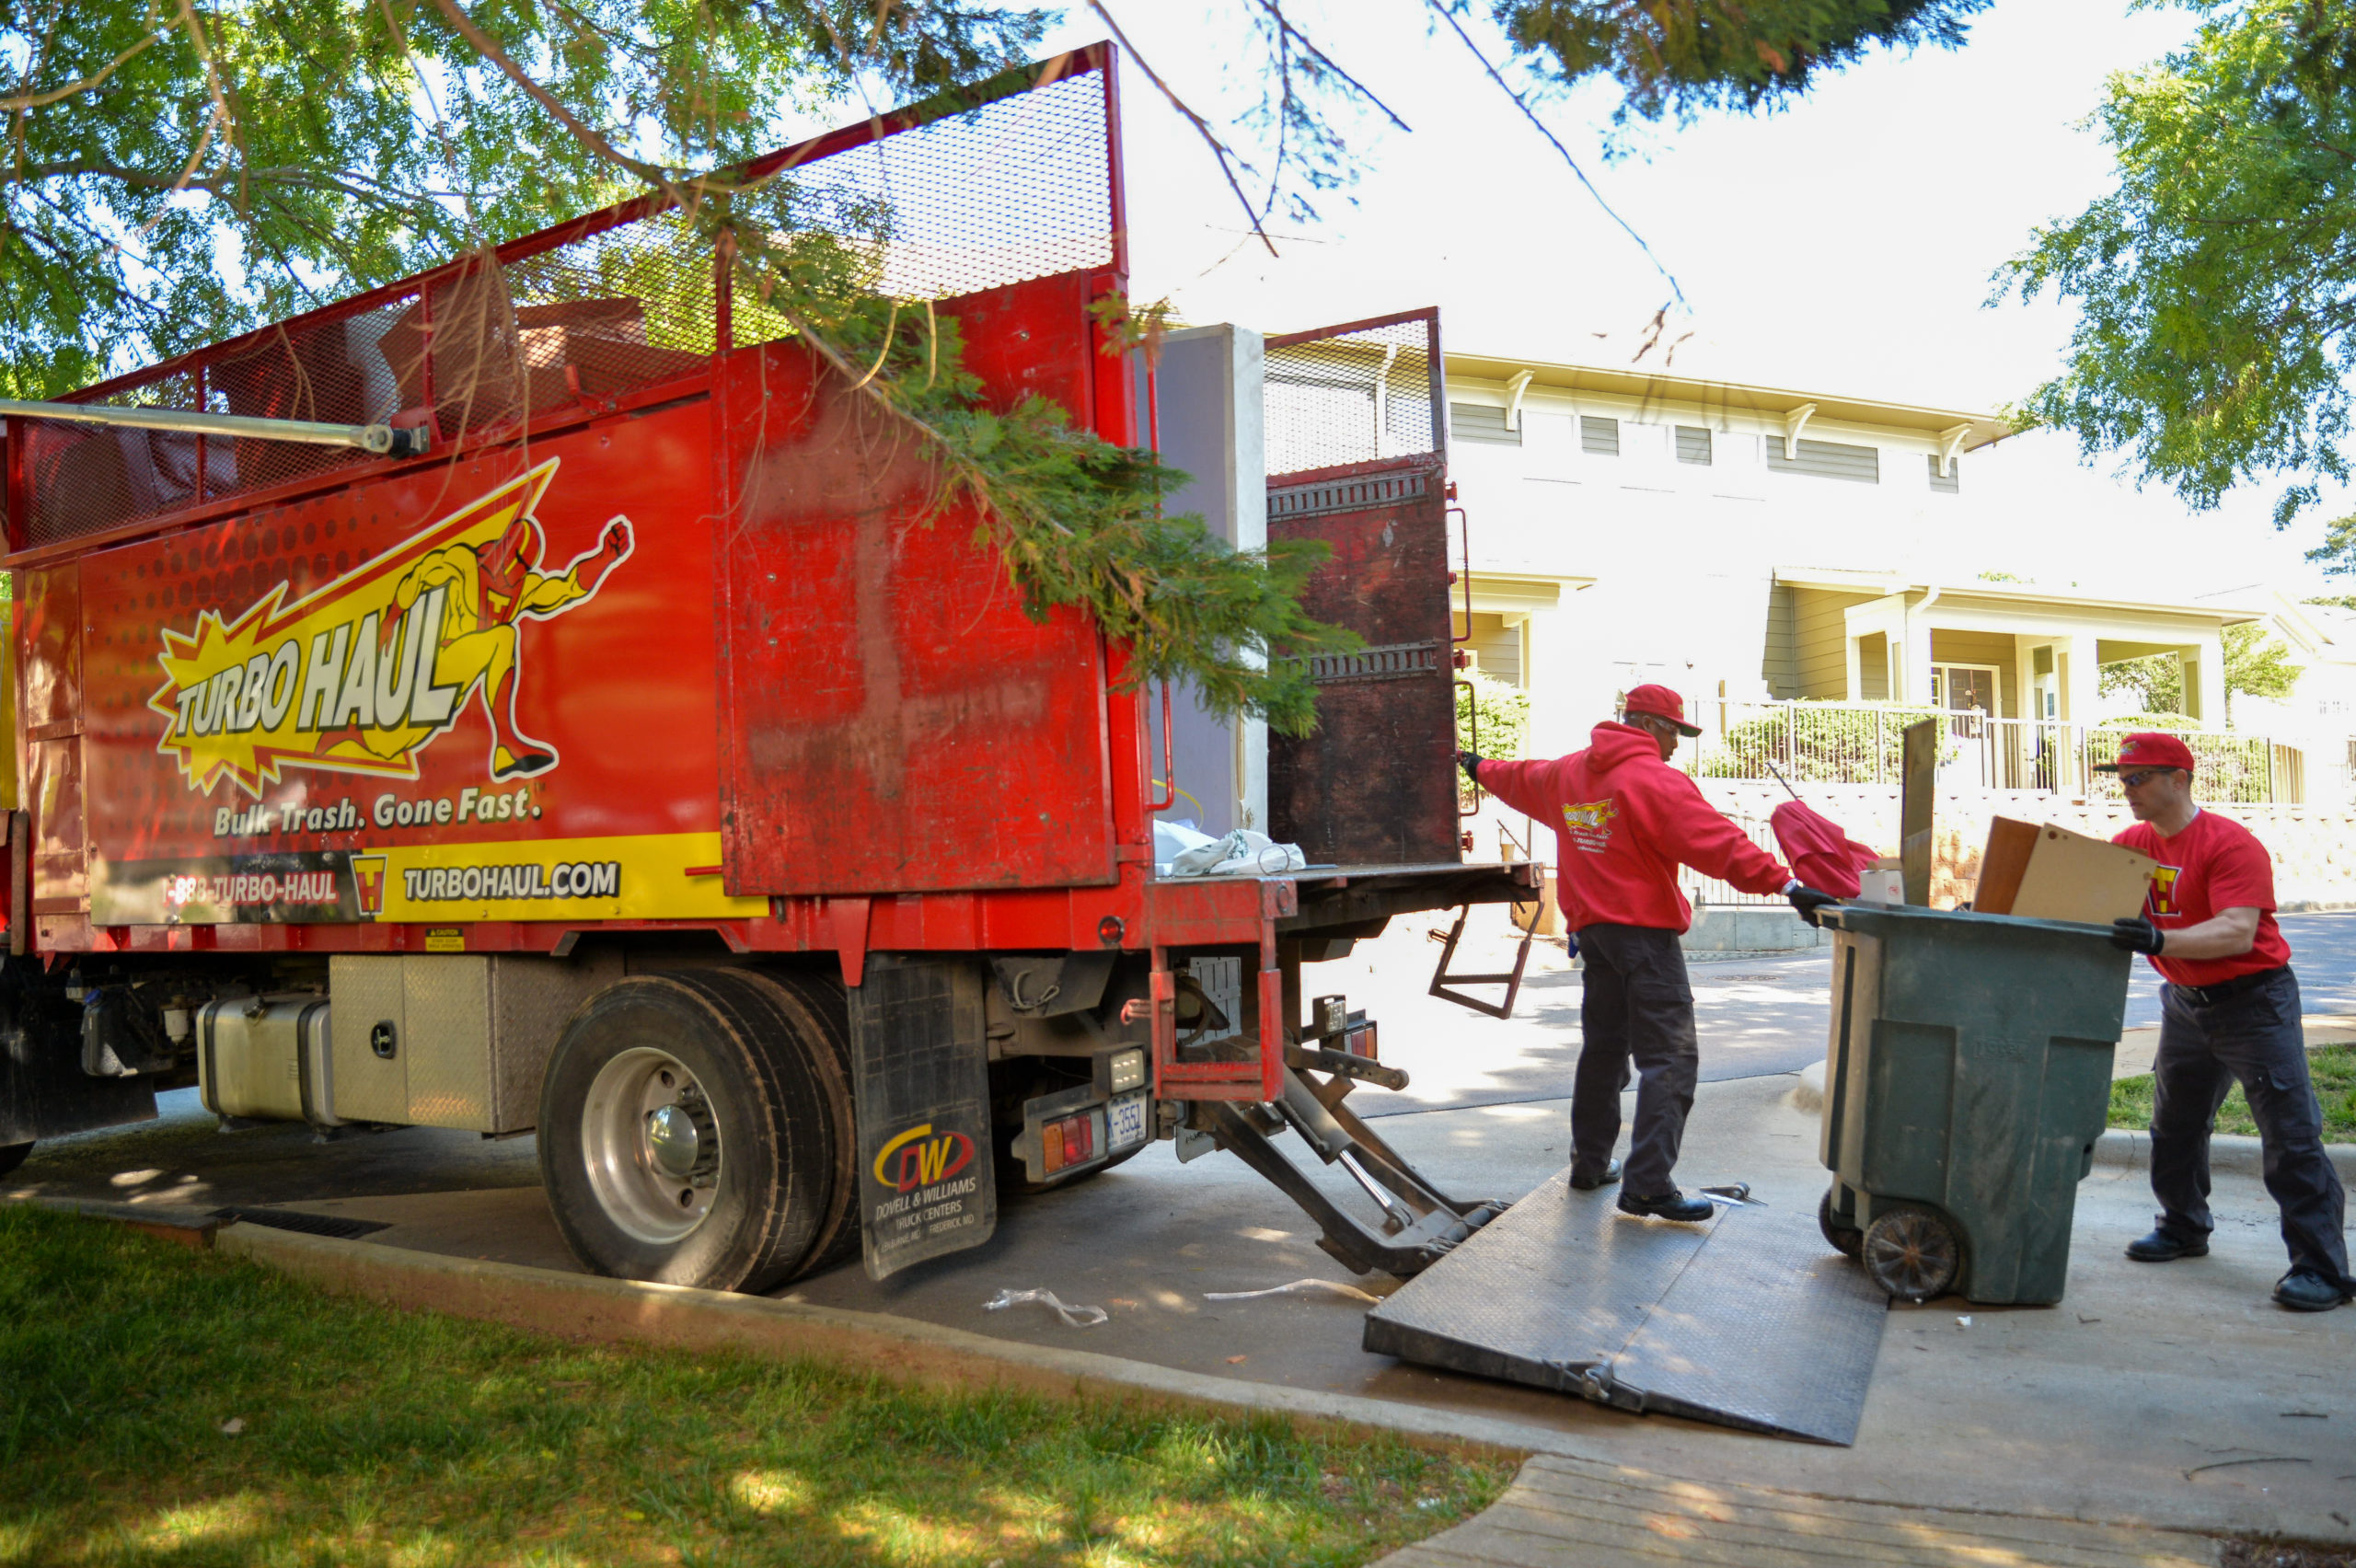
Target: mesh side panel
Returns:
[[1359, 396], [1018, 188], [1015, 189]]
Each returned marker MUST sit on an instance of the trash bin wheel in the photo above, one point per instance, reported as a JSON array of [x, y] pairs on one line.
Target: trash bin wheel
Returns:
[[1847, 1239], [1912, 1252]]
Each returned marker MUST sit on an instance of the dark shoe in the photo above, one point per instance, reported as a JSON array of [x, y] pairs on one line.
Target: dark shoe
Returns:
[[2160, 1246], [1671, 1204], [2302, 1290], [1590, 1183]]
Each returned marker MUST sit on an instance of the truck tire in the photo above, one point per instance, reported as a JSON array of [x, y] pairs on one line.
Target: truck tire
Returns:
[[688, 1135], [821, 1014], [12, 1156]]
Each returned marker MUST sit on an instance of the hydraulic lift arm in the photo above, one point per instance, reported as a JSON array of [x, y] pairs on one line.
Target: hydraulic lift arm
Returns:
[[384, 440]]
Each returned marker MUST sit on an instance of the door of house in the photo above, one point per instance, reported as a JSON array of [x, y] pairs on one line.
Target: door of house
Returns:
[[1968, 692], [1962, 688]]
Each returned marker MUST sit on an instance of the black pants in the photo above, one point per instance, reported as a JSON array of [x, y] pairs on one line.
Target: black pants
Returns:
[[1638, 1007], [2252, 1038]]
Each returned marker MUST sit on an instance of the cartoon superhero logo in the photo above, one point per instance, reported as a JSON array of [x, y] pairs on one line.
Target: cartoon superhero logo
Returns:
[[919, 1158], [2163, 899], [1590, 823], [360, 676]]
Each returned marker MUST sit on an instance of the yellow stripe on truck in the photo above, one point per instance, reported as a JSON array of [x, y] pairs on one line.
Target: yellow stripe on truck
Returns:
[[638, 877]]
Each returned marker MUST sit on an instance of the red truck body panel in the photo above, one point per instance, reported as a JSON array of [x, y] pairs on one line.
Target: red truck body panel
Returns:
[[898, 722], [654, 638]]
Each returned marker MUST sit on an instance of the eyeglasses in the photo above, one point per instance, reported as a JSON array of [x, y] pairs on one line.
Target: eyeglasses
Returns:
[[2138, 779]]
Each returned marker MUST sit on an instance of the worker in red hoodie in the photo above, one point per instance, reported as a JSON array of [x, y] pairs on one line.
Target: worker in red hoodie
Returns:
[[1623, 822]]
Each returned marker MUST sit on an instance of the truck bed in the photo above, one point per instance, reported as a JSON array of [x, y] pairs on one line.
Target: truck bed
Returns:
[[1350, 895]]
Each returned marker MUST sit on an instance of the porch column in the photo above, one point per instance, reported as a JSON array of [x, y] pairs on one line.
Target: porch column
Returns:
[[1913, 660], [1852, 685], [2080, 670], [2204, 682]]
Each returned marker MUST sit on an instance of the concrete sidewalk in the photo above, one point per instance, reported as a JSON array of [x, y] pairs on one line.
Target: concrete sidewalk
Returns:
[[2177, 1398]]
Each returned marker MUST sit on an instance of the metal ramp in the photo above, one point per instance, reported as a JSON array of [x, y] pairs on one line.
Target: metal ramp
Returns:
[[1748, 1321]]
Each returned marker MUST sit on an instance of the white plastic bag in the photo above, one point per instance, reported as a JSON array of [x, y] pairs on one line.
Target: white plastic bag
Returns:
[[1298, 1287], [1241, 851], [1073, 1316]]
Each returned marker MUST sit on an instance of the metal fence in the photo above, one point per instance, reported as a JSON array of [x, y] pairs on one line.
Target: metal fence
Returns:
[[1826, 742]]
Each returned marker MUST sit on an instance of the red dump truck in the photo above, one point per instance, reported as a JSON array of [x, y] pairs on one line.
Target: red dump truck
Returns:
[[529, 697]]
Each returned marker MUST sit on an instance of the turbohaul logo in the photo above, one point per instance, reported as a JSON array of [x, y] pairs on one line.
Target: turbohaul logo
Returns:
[[360, 676]]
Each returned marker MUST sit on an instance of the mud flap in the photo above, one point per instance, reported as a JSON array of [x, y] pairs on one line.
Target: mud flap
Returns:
[[920, 1069], [1747, 1321]]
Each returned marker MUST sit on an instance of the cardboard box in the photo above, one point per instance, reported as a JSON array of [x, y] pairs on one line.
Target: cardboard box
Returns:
[[2044, 873], [1884, 882]]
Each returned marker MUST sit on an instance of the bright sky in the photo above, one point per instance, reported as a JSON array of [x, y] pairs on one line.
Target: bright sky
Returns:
[[1845, 246]]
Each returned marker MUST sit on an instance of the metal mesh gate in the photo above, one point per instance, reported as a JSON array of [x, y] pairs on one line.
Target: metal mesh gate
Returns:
[[1012, 180], [1368, 392], [1356, 449]]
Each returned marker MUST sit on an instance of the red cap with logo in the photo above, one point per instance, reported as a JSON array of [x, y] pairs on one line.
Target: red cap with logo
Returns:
[[1662, 703], [2149, 748]]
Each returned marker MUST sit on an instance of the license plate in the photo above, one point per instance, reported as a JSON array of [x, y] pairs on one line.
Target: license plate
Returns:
[[1125, 1122]]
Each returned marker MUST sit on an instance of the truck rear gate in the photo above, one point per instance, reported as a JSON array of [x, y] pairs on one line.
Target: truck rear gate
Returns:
[[635, 756], [1749, 1321]]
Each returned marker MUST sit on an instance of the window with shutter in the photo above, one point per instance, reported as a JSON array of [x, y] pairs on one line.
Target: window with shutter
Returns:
[[1600, 437], [1481, 424], [1950, 482], [1825, 460], [1693, 444]]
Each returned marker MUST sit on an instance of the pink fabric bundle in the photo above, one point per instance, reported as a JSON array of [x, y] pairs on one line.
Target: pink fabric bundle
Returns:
[[1818, 853]]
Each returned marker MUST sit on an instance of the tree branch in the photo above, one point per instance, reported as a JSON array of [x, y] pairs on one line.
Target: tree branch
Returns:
[[1201, 127], [41, 100], [1440, 9]]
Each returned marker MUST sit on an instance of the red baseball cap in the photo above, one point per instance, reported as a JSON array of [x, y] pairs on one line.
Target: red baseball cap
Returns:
[[2149, 748], [1662, 703]]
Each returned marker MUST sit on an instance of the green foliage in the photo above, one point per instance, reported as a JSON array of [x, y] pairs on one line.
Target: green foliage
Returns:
[[2216, 286], [2255, 663], [177, 174], [2157, 682], [1832, 744], [371, 1435], [1679, 57], [2337, 601], [1502, 712]]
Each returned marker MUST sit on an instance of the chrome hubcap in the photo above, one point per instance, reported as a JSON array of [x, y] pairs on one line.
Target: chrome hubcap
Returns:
[[651, 1144]]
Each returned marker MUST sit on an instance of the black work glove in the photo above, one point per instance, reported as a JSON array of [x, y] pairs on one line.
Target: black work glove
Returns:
[[2135, 934], [1807, 901], [1471, 764]]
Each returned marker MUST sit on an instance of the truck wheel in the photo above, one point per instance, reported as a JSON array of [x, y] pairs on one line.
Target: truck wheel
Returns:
[[821, 1018], [1912, 1252], [687, 1133], [1847, 1239], [12, 1156]]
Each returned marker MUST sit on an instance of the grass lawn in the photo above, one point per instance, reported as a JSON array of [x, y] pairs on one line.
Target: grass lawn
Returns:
[[160, 1406], [2333, 1068]]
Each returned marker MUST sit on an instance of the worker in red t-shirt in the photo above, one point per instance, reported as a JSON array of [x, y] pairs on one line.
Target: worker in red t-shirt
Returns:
[[1623, 822], [2229, 1012]]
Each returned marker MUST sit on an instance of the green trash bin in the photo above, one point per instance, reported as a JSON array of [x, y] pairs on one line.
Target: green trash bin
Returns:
[[1968, 1078]]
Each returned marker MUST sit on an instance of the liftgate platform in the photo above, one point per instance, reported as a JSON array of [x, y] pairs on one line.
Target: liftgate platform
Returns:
[[1747, 1320]]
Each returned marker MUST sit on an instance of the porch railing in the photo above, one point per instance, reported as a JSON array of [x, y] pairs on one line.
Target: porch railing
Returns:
[[1829, 743]]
